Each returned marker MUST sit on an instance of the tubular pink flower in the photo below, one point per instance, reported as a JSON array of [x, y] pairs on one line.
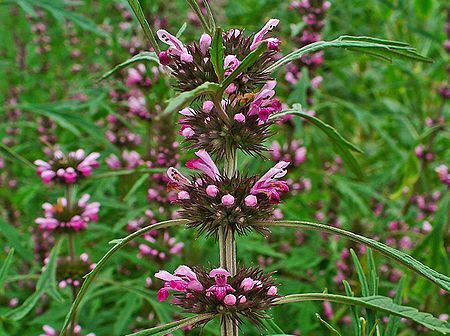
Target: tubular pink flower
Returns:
[[205, 43], [182, 279], [239, 117], [207, 106], [259, 37], [204, 164], [247, 284], [212, 190], [176, 47], [230, 63], [269, 185], [264, 104], [221, 288], [176, 178]]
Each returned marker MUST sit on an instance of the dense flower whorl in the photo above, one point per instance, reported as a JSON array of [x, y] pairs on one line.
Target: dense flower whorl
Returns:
[[250, 293], [59, 217], [249, 127], [67, 169], [213, 201], [191, 64]]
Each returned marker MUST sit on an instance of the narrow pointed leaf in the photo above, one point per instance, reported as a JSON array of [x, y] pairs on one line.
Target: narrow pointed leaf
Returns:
[[403, 258], [89, 278], [137, 9], [145, 56], [5, 267], [379, 303], [217, 54], [332, 330]]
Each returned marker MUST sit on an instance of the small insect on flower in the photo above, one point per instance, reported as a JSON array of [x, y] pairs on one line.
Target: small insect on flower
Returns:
[[60, 218], [191, 64], [67, 169], [204, 128], [250, 293], [214, 200]]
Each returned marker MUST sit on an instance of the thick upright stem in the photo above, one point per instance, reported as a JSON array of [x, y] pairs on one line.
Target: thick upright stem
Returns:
[[71, 244], [227, 246]]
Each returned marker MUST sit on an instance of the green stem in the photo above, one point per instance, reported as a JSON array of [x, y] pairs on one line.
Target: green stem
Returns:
[[71, 246]]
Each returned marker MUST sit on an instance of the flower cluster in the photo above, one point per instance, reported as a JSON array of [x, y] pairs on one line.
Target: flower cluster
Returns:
[[129, 160], [292, 152], [247, 294], [443, 174], [62, 218], [214, 200], [72, 272], [67, 169], [191, 64], [204, 127]]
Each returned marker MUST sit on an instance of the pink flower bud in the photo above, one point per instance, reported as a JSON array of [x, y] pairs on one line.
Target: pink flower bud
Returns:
[[208, 106], [229, 300], [228, 200], [188, 132], [164, 58], [251, 201], [183, 195], [212, 190], [205, 43], [239, 117], [272, 291], [242, 299]]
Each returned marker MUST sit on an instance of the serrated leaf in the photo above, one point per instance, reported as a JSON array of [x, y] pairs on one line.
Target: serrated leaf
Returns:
[[379, 303], [403, 258], [184, 99], [342, 146], [89, 278], [384, 49], [217, 54], [144, 56]]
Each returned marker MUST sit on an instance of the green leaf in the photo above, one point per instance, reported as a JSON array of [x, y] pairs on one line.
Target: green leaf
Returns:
[[354, 310], [380, 303], [216, 51], [16, 156], [173, 326], [184, 99], [394, 321], [410, 173], [5, 267], [136, 186], [423, 8], [15, 240], [145, 56], [328, 326], [360, 273], [343, 146], [247, 62], [45, 283], [383, 49], [137, 9], [89, 278], [403, 258]]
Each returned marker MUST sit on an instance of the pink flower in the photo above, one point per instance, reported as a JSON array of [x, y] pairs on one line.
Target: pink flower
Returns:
[[239, 117], [183, 195], [251, 200], [264, 104], [221, 288], [207, 106], [176, 47], [212, 190], [269, 185], [230, 63], [49, 331], [204, 164], [259, 37], [248, 284], [205, 43], [273, 290], [182, 279]]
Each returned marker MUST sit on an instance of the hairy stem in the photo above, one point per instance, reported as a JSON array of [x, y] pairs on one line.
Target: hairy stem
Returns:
[[227, 247]]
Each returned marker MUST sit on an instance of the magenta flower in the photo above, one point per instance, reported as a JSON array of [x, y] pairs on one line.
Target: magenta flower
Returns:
[[67, 169], [204, 164], [182, 279], [130, 160], [272, 43], [443, 174], [176, 47], [264, 104], [269, 185], [60, 217], [221, 288], [230, 63]]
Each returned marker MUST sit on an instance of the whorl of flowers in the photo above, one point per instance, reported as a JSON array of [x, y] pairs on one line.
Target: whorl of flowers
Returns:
[[191, 64], [291, 151], [71, 273], [60, 218], [67, 169], [204, 128], [214, 200], [247, 294]]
